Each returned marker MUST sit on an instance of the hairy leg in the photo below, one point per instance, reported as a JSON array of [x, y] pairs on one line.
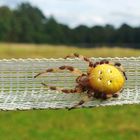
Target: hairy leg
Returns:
[[69, 68], [104, 96], [81, 57], [101, 62], [119, 66], [87, 98], [116, 95], [77, 89]]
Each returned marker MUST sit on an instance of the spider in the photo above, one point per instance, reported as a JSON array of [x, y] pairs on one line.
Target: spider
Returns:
[[103, 80]]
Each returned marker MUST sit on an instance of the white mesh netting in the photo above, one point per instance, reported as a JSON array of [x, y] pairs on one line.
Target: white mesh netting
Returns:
[[19, 90]]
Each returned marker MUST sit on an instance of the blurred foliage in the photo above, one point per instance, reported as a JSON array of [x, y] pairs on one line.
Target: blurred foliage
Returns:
[[27, 23]]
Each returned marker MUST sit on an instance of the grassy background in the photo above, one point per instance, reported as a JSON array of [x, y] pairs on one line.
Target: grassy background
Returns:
[[103, 123], [48, 51]]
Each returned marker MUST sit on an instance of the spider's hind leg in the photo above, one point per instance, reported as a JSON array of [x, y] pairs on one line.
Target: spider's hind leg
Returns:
[[120, 67]]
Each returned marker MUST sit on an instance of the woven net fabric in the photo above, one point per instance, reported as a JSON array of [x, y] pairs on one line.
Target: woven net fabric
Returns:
[[19, 89]]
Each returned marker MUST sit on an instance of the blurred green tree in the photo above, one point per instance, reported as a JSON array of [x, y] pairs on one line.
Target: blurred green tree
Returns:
[[27, 23], [6, 16], [125, 34]]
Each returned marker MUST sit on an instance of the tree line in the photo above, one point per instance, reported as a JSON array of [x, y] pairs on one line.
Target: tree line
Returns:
[[27, 24]]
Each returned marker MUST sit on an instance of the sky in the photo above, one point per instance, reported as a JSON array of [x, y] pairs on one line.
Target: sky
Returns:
[[87, 12]]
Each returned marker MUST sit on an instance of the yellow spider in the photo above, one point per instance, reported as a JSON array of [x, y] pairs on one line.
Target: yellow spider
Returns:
[[103, 79]]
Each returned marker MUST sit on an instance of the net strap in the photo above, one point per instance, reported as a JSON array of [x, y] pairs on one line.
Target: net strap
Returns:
[[19, 89]]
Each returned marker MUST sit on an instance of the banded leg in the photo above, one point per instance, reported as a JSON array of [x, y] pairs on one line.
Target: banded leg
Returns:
[[101, 62], [104, 96], [77, 89], [116, 95], [120, 67], [87, 98], [69, 68], [81, 57]]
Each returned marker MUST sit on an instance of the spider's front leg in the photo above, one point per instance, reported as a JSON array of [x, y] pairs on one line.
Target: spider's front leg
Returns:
[[61, 68]]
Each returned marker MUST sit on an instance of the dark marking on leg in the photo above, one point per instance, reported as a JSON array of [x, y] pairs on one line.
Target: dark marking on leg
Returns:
[[80, 103], [37, 75], [97, 63], [77, 89], [53, 88], [80, 57], [124, 75], [66, 91], [117, 64], [49, 70], [115, 95], [62, 67], [70, 68], [73, 91], [104, 61], [91, 64], [86, 59]]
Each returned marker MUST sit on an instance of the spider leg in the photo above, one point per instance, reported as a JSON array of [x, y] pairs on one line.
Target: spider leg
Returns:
[[87, 98], [101, 62], [104, 96], [116, 95], [120, 67], [69, 68], [77, 89], [81, 57], [78, 104]]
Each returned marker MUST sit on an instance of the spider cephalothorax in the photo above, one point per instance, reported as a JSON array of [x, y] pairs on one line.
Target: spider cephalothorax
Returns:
[[103, 79]]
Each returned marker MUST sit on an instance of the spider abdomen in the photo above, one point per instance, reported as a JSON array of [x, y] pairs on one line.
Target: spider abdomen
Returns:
[[106, 78]]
